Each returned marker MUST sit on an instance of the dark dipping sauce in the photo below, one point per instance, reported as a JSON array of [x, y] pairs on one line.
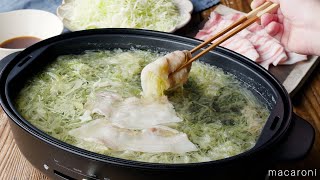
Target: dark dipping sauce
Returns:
[[19, 42]]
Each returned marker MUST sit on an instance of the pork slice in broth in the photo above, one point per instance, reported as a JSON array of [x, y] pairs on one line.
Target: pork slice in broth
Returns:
[[132, 112], [156, 77], [153, 140]]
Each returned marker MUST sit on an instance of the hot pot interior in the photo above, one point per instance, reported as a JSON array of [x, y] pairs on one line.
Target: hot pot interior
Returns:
[[56, 158]]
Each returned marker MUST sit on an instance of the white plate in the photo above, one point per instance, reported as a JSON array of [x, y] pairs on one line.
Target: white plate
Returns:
[[185, 9]]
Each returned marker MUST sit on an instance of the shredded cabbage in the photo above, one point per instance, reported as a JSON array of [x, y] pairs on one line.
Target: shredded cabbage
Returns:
[[161, 15], [220, 116], [154, 84]]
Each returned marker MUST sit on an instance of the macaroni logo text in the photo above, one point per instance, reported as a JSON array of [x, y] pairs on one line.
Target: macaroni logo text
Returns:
[[293, 173]]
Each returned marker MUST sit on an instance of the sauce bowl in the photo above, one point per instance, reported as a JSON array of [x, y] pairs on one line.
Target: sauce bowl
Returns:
[[27, 22]]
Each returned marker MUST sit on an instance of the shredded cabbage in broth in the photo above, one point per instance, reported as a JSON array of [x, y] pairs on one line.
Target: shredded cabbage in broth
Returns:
[[220, 116]]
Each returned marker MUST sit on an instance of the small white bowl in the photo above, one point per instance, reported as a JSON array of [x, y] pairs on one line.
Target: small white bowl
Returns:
[[185, 8], [27, 22]]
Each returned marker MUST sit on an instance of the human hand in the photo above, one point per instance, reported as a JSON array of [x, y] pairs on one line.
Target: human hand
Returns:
[[296, 22]]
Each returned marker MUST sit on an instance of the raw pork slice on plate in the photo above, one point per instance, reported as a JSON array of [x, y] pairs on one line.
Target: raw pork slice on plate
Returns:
[[260, 43]]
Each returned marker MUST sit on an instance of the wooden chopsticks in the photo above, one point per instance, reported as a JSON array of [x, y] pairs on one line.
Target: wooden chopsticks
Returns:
[[231, 30]]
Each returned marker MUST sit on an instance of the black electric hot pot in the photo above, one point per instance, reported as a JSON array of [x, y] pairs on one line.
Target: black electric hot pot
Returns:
[[285, 136]]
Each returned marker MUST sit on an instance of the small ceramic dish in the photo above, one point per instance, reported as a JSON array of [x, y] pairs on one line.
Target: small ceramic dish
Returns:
[[185, 9], [27, 22]]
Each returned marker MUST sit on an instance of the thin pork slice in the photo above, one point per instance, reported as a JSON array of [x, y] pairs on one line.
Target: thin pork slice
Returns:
[[214, 19], [237, 43], [215, 24], [268, 48], [153, 140], [260, 43], [242, 46], [294, 58], [275, 29], [131, 113]]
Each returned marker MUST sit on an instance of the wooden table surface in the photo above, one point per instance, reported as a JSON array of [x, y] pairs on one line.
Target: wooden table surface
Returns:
[[306, 104]]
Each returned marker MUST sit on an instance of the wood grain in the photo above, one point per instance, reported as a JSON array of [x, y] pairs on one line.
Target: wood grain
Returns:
[[240, 5], [306, 104], [13, 165]]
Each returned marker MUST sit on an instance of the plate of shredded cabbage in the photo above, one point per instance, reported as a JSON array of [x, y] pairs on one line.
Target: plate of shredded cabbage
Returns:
[[159, 15]]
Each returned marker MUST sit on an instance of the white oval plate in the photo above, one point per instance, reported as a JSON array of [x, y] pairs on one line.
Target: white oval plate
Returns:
[[185, 9]]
